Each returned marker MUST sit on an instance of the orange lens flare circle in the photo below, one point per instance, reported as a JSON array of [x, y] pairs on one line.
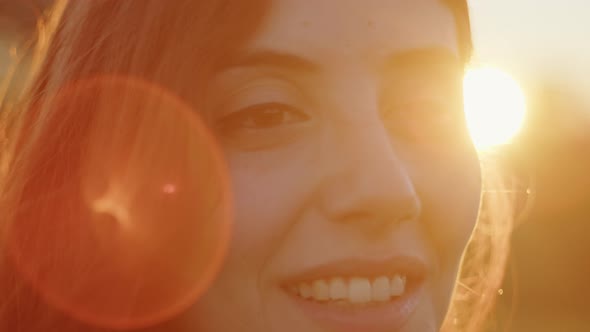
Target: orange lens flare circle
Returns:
[[126, 217]]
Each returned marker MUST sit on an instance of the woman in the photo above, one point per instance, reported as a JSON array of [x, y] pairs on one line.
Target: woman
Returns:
[[326, 137]]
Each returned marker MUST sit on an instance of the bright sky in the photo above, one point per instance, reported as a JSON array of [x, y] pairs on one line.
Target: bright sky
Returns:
[[528, 36]]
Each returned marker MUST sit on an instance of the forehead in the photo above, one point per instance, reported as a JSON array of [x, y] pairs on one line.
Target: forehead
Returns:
[[339, 29]]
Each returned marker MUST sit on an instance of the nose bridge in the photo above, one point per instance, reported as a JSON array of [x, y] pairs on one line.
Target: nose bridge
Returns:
[[378, 168], [370, 182], [352, 91]]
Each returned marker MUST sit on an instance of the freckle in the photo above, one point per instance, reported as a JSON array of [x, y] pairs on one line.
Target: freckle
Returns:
[[371, 24], [305, 24]]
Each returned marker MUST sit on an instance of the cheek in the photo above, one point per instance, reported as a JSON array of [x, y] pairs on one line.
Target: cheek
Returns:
[[452, 191], [269, 190], [267, 197], [451, 232]]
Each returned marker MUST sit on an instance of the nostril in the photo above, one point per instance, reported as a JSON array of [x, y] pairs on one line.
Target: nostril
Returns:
[[374, 223], [374, 215]]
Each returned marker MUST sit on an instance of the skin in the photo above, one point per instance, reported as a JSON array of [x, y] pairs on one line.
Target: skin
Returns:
[[350, 144]]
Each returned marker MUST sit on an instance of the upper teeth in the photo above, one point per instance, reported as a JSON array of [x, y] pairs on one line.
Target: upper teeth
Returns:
[[353, 290]]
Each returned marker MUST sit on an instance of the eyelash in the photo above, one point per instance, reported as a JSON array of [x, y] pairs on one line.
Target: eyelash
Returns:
[[245, 118], [438, 119]]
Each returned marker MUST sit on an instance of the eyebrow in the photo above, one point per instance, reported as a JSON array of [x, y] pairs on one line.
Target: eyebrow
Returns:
[[419, 57], [272, 58], [425, 58]]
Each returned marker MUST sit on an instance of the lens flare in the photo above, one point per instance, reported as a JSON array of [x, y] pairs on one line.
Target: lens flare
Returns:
[[125, 217], [495, 107]]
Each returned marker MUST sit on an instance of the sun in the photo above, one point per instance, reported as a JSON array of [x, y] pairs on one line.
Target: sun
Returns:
[[495, 106]]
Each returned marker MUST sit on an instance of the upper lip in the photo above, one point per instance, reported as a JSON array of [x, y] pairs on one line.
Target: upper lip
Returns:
[[414, 268]]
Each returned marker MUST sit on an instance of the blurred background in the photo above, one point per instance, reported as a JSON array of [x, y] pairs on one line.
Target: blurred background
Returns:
[[545, 45], [542, 48]]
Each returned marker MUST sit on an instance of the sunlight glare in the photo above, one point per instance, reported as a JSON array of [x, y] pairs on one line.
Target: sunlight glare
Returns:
[[495, 107]]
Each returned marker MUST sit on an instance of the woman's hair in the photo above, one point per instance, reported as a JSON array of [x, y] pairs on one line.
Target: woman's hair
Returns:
[[162, 42]]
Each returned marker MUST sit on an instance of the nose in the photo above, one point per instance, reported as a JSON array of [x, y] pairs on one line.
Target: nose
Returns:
[[365, 182]]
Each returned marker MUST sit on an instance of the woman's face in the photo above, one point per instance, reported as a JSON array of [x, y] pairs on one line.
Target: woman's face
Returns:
[[356, 185]]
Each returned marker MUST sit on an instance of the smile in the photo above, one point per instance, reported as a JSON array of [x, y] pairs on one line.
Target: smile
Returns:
[[360, 295], [352, 291]]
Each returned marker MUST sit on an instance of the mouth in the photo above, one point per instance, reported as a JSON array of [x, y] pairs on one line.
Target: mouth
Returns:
[[360, 295], [355, 291]]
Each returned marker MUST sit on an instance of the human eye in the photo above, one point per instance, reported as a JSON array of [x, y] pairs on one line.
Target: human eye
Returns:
[[253, 110], [265, 116], [431, 119], [261, 116], [424, 105]]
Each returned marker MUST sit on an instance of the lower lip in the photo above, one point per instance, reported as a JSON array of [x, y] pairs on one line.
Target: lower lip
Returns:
[[389, 316]]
